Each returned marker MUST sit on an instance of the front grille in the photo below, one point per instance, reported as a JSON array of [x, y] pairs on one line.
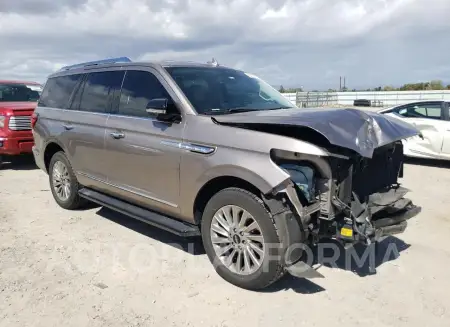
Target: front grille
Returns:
[[20, 123]]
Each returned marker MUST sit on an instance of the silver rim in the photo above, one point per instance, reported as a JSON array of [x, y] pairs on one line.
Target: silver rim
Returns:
[[61, 181], [237, 240]]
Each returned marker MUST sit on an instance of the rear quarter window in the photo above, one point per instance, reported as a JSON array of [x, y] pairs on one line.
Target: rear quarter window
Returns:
[[58, 90]]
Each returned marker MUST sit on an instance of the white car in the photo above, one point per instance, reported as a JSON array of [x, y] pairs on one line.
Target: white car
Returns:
[[432, 118]]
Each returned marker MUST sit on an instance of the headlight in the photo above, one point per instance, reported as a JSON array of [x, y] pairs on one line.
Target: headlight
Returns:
[[2, 121]]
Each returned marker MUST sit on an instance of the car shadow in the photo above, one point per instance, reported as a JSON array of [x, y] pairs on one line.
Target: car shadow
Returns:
[[24, 162], [360, 259], [437, 163], [192, 245], [298, 285]]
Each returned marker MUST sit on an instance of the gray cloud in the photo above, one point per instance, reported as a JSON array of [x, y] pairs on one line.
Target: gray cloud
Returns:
[[39, 6], [290, 42]]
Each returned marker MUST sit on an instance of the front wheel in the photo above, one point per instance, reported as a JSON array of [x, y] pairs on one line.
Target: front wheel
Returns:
[[63, 182], [241, 240]]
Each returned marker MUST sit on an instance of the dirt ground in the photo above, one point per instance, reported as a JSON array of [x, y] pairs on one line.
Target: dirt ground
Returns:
[[98, 268]]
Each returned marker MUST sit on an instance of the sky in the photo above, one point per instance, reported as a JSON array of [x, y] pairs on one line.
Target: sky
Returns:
[[294, 43]]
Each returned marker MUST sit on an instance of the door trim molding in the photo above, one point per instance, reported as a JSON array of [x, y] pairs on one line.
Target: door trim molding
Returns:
[[126, 189]]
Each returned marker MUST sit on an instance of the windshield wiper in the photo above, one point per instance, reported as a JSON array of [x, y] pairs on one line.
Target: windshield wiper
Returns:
[[239, 109], [244, 109], [280, 108]]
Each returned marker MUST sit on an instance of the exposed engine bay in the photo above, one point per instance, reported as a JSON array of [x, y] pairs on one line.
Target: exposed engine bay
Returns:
[[352, 199]]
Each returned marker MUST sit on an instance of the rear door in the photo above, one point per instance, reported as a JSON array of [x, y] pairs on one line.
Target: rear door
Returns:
[[142, 153], [85, 125]]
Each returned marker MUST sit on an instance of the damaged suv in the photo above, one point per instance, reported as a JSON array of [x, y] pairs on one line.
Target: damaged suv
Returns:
[[201, 149]]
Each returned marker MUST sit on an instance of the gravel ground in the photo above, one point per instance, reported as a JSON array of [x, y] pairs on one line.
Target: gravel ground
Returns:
[[98, 268]]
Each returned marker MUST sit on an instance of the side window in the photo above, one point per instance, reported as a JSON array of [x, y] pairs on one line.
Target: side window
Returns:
[[431, 111], [97, 91], [57, 91], [139, 87]]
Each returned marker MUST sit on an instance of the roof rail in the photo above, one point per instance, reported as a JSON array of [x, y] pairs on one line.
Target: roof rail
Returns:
[[97, 62]]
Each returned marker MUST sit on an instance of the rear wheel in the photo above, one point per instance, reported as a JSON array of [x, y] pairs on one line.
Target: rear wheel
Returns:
[[241, 240], [63, 182]]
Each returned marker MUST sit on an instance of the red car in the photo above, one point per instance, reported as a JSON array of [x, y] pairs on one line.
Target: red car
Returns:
[[18, 100]]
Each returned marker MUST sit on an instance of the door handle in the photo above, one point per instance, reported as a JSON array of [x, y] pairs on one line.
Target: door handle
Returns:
[[117, 135], [67, 127]]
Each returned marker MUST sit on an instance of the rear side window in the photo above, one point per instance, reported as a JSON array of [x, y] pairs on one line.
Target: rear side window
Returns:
[[139, 87], [57, 91], [96, 93], [421, 110]]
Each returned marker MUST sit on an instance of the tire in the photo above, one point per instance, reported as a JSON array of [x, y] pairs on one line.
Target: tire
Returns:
[[239, 274], [73, 200]]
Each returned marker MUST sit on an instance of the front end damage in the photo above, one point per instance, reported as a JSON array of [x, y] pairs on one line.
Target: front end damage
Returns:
[[352, 194], [352, 199]]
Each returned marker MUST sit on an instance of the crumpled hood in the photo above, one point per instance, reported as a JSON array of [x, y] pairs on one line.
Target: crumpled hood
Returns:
[[361, 131]]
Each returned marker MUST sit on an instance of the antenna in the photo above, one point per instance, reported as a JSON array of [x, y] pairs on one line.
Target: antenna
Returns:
[[213, 62]]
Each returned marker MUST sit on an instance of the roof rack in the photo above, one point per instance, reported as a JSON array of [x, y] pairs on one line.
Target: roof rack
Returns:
[[97, 62]]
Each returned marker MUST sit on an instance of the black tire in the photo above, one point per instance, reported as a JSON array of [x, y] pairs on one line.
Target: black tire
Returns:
[[271, 269], [74, 201]]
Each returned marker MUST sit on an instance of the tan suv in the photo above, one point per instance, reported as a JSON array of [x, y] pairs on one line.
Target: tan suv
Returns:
[[201, 149]]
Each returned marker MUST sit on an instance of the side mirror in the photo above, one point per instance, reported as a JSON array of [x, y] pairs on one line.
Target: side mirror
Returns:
[[157, 106]]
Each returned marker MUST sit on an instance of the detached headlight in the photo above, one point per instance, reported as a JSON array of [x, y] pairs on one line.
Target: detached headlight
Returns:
[[2, 121]]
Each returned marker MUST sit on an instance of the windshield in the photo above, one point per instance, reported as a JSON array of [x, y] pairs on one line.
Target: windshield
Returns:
[[15, 92], [216, 90]]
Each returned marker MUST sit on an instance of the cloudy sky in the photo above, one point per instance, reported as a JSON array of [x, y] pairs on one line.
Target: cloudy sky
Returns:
[[307, 43]]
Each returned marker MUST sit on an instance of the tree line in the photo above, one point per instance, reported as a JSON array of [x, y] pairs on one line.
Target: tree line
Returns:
[[422, 86]]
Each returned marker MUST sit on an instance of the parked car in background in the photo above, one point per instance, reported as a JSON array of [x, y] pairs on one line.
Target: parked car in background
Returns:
[[18, 100], [432, 118], [362, 103], [210, 151]]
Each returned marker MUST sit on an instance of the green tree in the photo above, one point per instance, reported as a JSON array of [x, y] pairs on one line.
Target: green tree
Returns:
[[282, 90], [436, 85]]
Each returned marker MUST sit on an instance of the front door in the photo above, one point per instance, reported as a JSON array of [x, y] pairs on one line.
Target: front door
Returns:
[[142, 152], [446, 143], [429, 119]]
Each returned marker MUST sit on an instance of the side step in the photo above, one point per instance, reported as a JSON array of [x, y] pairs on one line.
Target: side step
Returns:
[[169, 224]]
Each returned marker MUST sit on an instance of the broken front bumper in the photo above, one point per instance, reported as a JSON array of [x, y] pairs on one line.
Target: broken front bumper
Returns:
[[394, 219]]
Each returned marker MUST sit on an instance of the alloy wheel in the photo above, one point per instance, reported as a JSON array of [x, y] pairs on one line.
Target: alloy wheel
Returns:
[[237, 240], [61, 181]]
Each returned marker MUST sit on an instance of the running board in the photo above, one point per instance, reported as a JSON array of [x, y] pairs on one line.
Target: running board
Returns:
[[169, 224]]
